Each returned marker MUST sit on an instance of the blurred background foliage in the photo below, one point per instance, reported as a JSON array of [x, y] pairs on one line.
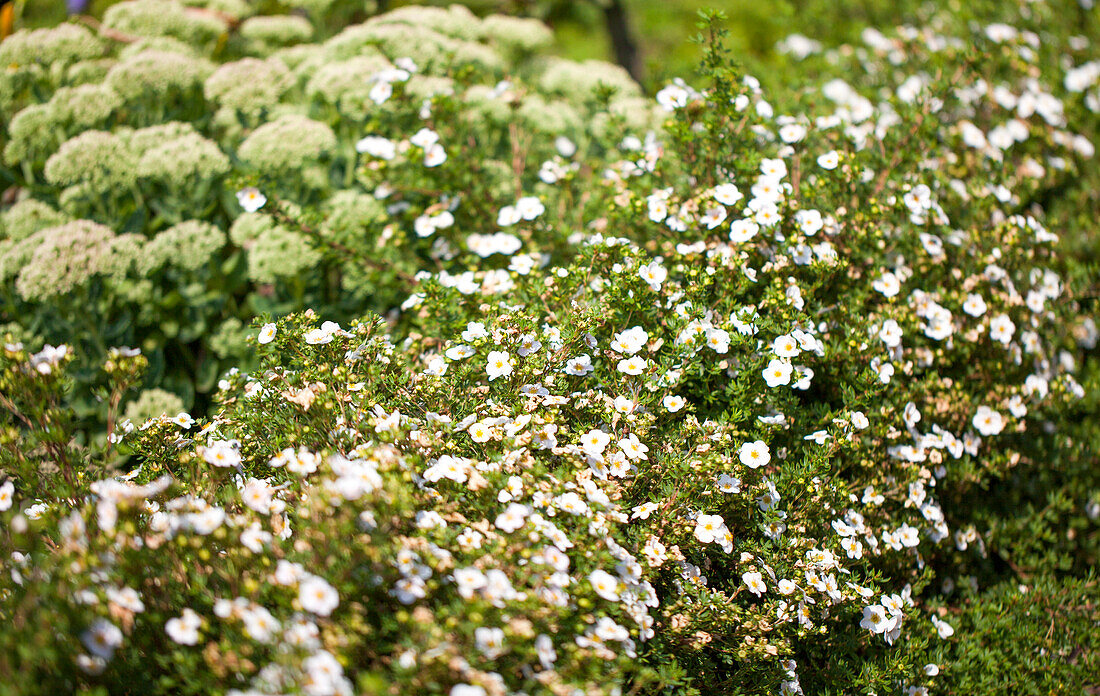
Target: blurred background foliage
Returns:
[[658, 32]]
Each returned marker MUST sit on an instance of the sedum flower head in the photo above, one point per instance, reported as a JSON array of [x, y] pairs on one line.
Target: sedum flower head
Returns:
[[347, 84], [581, 81], [249, 227], [67, 256], [153, 76], [249, 85], [32, 135], [425, 46], [234, 8], [84, 106], [88, 72], [190, 245], [97, 159], [352, 216], [457, 20], [142, 139], [38, 130], [165, 18], [184, 161], [61, 45], [517, 34], [476, 55], [230, 338], [153, 403], [27, 217], [267, 33], [286, 143], [552, 117], [280, 253], [428, 86]]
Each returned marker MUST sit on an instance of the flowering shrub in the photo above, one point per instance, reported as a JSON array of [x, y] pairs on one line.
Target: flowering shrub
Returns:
[[793, 395]]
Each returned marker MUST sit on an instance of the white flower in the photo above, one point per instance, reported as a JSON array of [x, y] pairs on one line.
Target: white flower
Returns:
[[221, 453], [890, 333], [672, 97], [632, 366], [377, 146], [267, 334], [490, 641], [786, 346], [754, 454], [499, 364], [579, 366], [743, 230], [792, 133], [988, 421], [633, 448], [673, 403], [469, 580], [605, 584], [829, 160], [184, 420], [755, 582], [184, 629], [7, 491], [727, 194], [630, 341], [943, 629], [513, 517], [251, 199], [975, 305], [595, 442], [709, 527], [875, 619], [778, 372], [317, 596], [888, 284], [102, 638], [467, 690], [1001, 328], [529, 207], [859, 420], [434, 155], [653, 274], [718, 340]]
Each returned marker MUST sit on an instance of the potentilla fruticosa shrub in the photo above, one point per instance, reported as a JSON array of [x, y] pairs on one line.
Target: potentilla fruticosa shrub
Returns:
[[740, 405]]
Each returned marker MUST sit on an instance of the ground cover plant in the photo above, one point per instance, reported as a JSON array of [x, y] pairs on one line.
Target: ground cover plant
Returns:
[[732, 390]]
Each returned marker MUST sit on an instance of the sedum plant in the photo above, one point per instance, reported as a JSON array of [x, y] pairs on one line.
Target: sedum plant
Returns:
[[162, 120]]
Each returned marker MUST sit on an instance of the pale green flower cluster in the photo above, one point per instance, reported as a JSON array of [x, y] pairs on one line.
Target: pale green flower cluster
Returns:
[[65, 44], [95, 160], [184, 161], [158, 76], [165, 18], [273, 251], [265, 34], [287, 143], [27, 217], [64, 257], [249, 85], [153, 403], [187, 246], [347, 85]]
